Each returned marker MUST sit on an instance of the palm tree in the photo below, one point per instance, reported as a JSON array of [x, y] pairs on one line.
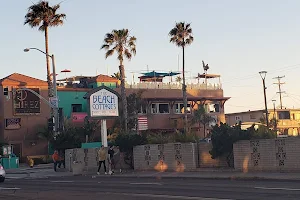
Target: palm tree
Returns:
[[181, 35], [116, 76], [123, 44], [201, 117], [178, 79], [43, 16]]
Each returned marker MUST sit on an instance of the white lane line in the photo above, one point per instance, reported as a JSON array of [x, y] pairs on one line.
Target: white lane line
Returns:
[[2, 188], [145, 183], [62, 181], [288, 189], [166, 196]]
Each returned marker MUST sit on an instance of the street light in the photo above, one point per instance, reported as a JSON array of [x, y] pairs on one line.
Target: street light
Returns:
[[56, 122], [263, 77]]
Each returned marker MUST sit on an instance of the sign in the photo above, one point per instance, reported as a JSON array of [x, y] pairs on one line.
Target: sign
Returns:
[[104, 103], [13, 123], [142, 123], [25, 102], [78, 117], [54, 101]]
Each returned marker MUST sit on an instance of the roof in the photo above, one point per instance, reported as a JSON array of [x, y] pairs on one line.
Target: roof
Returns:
[[17, 79], [208, 76], [103, 78], [74, 78]]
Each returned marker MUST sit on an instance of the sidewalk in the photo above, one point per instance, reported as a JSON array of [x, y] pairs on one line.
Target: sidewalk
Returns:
[[38, 171]]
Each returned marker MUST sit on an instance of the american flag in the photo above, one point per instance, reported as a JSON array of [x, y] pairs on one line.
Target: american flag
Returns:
[[142, 123]]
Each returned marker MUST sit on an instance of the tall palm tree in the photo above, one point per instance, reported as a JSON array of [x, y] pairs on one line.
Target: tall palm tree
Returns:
[[181, 36], [116, 76], [123, 44], [43, 16]]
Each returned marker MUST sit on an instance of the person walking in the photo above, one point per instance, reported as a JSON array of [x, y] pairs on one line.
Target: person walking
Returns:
[[102, 156], [56, 159], [117, 159], [111, 153]]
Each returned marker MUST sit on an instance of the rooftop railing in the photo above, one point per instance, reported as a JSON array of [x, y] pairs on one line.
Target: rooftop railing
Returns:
[[159, 85]]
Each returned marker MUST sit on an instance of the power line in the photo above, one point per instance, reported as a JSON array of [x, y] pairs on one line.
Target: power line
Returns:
[[279, 88]]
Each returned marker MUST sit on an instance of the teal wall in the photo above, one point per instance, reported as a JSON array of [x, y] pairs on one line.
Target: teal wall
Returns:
[[107, 84], [67, 98]]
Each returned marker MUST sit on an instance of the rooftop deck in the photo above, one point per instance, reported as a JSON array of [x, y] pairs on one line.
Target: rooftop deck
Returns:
[[159, 85]]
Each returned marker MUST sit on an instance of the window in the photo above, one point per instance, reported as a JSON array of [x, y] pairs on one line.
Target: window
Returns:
[[143, 109], [76, 108], [212, 107], [284, 114], [238, 118], [160, 108], [179, 108]]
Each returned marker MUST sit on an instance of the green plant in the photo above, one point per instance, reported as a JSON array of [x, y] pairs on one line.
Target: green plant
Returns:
[[126, 142], [223, 137]]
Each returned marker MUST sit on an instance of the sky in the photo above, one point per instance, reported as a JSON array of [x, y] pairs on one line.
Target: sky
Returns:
[[236, 38]]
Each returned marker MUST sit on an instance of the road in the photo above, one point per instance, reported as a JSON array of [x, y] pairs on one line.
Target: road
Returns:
[[114, 188]]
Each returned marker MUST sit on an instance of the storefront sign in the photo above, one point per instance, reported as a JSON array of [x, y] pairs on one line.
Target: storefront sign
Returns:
[[25, 102], [78, 117], [104, 103], [12, 123]]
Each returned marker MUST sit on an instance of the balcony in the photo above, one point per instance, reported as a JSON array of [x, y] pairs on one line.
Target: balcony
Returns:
[[160, 85]]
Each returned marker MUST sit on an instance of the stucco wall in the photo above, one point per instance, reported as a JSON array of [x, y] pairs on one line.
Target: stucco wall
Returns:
[[67, 98], [281, 154], [175, 157]]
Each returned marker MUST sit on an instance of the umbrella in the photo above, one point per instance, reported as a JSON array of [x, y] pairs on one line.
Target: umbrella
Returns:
[[65, 71]]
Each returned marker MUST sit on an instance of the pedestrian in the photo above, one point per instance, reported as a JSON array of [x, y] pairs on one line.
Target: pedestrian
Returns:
[[102, 155], [61, 159], [111, 153], [55, 158], [117, 159]]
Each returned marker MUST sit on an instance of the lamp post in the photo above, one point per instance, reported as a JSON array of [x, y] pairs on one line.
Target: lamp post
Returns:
[[263, 77], [56, 117]]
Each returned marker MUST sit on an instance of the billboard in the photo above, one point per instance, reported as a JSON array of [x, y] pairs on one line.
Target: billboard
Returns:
[[25, 102], [104, 103]]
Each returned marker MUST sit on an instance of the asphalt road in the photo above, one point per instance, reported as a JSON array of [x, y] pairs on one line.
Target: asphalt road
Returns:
[[115, 188]]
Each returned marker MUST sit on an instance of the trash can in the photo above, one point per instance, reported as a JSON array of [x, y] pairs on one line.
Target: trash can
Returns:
[[77, 167], [10, 163]]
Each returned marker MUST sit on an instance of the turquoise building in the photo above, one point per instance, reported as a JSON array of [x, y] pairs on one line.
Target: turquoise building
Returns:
[[71, 101]]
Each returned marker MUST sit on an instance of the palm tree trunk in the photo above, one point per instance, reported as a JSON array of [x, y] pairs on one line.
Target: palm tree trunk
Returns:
[[123, 95], [204, 127], [184, 93], [50, 89]]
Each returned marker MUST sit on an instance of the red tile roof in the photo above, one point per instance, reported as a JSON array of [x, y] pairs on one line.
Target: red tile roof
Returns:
[[16, 79], [103, 78]]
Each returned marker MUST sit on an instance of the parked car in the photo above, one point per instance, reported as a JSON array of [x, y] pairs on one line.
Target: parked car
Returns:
[[2, 174]]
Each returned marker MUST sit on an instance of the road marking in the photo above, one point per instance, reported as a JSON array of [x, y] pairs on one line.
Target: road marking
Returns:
[[167, 196], [62, 181], [145, 184], [288, 189], [2, 188]]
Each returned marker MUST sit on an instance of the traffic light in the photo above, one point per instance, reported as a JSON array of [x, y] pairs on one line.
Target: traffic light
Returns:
[[5, 91], [50, 124]]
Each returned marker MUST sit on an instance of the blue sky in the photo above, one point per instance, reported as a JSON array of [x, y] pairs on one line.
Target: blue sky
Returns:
[[236, 38]]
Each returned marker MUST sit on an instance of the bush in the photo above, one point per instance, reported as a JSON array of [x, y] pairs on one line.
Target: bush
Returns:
[[126, 142]]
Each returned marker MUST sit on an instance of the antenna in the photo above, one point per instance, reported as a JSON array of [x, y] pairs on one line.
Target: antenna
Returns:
[[279, 88]]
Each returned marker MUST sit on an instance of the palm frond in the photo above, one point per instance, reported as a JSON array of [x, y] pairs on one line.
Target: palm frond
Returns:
[[105, 46], [127, 54], [109, 53], [181, 34]]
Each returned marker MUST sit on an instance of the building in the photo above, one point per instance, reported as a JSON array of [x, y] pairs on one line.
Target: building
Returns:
[[164, 108], [25, 110], [23, 114], [288, 119]]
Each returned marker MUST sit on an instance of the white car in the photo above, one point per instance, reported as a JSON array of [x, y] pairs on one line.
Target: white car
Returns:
[[2, 174]]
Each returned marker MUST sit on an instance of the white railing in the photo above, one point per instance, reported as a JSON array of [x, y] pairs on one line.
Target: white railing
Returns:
[[159, 85]]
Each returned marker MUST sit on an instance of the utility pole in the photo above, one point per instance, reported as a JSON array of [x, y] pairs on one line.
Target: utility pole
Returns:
[[279, 88], [263, 77]]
